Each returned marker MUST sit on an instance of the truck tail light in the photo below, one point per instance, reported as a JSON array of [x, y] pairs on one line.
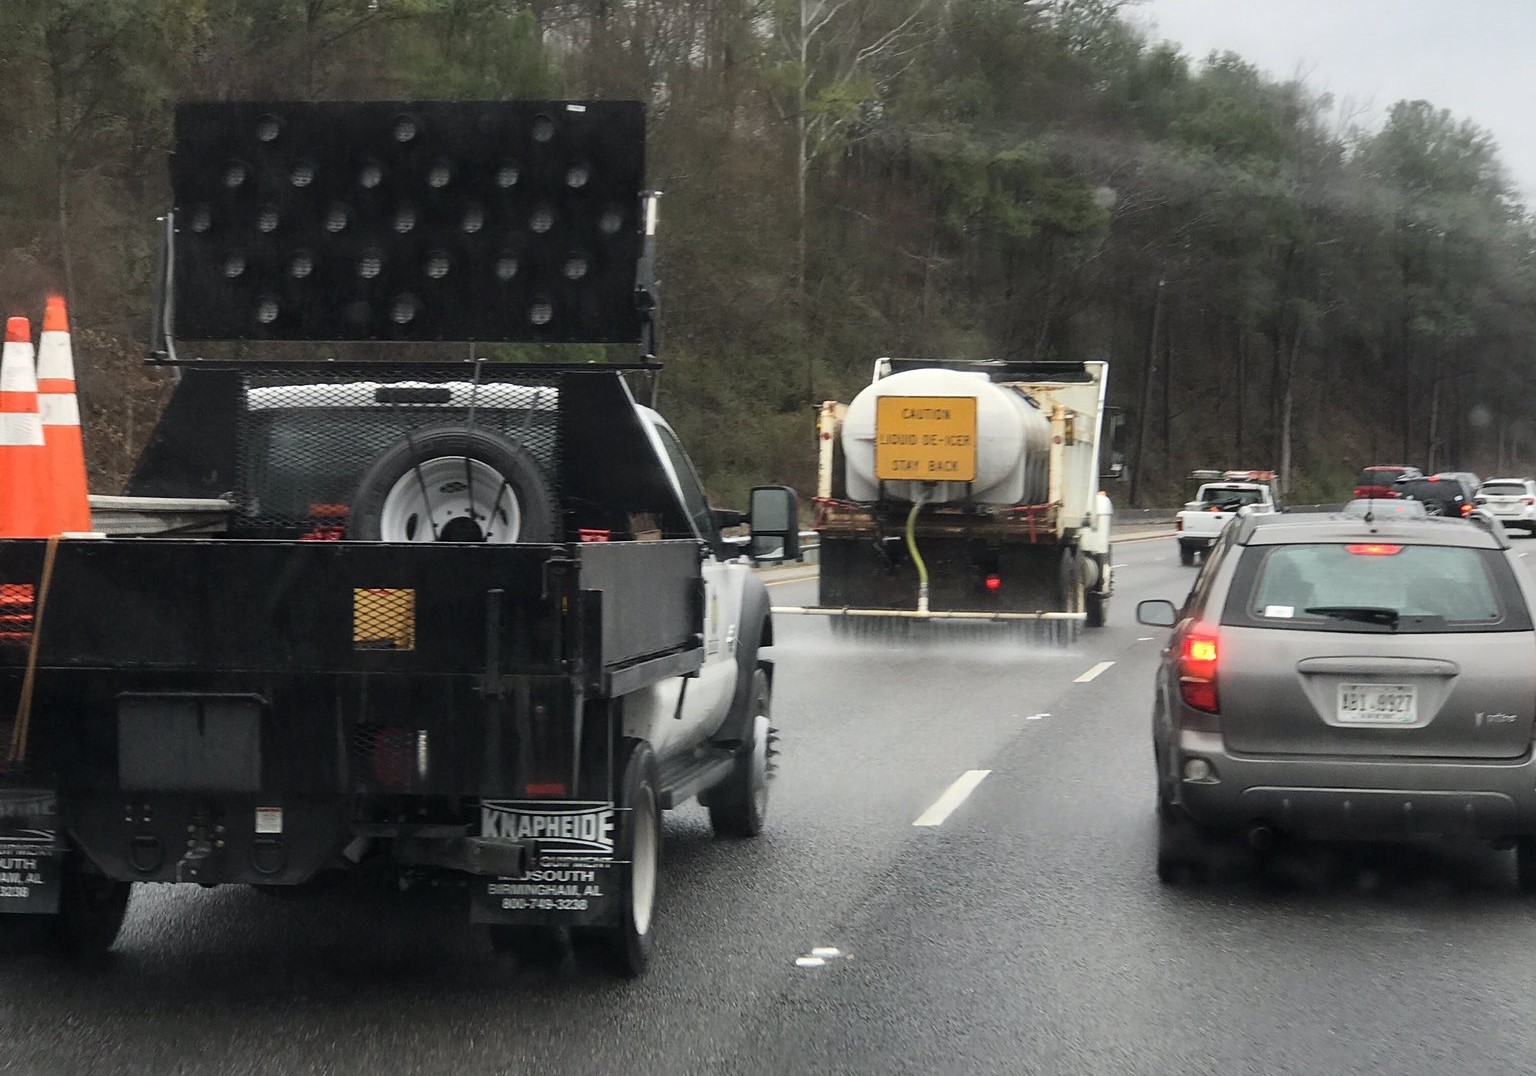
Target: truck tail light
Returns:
[[1197, 670], [1466, 509], [993, 583], [1178, 523], [16, 611], [327, 523]]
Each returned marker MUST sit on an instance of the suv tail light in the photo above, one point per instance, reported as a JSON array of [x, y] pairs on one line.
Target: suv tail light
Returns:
[[1529, 500], [1197, 670], [1466, 509]]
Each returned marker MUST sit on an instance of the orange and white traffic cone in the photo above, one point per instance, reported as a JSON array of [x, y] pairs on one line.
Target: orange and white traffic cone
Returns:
[[60, 411], [24, 508]]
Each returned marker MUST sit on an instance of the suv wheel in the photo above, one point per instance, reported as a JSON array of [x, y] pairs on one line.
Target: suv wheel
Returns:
[[1182, 848], [1525, 864]]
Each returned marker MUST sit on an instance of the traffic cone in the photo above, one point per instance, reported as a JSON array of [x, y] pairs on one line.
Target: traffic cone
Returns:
[[60, 411], [24, 509]]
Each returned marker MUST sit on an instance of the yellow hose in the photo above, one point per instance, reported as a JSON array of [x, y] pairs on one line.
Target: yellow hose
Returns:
[[917, 558]]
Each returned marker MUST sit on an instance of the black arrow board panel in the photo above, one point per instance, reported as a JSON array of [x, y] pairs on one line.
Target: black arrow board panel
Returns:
[[496, 221]]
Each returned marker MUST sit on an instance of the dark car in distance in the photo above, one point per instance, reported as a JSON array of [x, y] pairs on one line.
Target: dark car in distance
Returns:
[[1441, 495]]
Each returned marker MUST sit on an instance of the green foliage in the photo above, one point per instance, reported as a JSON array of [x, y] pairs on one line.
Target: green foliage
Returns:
[[851, 178]]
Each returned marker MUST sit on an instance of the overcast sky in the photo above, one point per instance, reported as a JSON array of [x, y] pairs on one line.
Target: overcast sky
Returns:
[[1472, 57]]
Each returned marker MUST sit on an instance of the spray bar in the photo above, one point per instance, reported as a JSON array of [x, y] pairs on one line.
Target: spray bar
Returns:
[[913, 614]]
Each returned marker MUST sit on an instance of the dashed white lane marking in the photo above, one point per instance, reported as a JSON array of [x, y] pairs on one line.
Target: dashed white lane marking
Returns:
[[1036, 717], [818, 957], [953, 797], [1146, 638], [1093, 672]]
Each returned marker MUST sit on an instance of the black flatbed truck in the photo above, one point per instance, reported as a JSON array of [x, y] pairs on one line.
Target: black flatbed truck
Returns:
[[500, 689]]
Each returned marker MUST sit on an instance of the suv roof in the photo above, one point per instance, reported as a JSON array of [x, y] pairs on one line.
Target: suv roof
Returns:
[[1334, 527]]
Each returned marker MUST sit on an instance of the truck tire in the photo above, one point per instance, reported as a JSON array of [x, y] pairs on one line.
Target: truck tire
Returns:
[[1097, 607], [738, 806], [1072, 590], [1096, 602], [91, 911], [1186, 555], [626, 947], [454, 484]]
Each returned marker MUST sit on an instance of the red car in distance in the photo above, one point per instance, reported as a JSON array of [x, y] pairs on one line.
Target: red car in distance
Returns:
[[1377, 481]]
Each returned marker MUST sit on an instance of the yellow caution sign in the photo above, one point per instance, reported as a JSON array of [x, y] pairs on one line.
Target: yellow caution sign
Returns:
[[925, 438]]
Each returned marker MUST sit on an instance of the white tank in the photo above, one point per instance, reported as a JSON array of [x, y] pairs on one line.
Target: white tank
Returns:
[[1013, 438]]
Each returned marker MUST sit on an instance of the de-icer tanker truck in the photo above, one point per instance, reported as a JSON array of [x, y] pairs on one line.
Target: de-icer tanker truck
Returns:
[[951, 491]]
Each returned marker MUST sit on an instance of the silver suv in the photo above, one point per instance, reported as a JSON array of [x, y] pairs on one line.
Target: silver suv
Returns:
[[1333, 678]]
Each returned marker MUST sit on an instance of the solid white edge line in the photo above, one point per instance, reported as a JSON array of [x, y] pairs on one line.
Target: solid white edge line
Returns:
[[1093, 672], [953, 797]]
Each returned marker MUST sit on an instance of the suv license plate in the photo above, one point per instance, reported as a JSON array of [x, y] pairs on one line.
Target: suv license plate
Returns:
[[1378, 704]]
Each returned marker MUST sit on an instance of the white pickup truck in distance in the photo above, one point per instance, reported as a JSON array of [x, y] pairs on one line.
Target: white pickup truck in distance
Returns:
[[1202, 519]]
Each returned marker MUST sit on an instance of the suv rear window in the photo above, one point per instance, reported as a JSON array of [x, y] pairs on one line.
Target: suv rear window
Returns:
[[1430, 489], [1376, 586], [1379, 476], [1503, 489]]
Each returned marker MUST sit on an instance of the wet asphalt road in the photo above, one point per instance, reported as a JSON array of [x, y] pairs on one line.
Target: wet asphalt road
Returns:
[[1026, 933]]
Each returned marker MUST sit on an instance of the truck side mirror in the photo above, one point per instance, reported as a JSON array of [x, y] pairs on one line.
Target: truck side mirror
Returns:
[[775, 521]]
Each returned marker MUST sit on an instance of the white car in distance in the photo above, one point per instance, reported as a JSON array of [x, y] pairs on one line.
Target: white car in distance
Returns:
[[1512, 501]]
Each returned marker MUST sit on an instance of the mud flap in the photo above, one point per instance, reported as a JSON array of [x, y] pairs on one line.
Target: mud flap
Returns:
[[576, 879], [31, 853]]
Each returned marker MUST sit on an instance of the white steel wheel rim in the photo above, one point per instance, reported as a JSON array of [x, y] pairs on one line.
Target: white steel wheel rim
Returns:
[[760, 764], [642, 870], [442, 492]]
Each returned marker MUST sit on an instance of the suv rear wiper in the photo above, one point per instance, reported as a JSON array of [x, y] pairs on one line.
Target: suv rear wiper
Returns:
[[1366, 614]]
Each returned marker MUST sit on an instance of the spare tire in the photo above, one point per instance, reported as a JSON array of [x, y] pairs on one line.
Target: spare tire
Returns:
[[454, 484]]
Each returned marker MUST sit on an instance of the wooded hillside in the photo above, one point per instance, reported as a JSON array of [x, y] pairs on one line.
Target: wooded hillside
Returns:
[[851, 178]]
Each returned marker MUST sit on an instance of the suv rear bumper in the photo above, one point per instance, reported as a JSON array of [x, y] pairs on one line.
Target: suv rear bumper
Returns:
[[1344, 798], [1510, 517]]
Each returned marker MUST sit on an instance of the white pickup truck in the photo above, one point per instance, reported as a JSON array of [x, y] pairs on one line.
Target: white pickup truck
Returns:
[[1199, 524]]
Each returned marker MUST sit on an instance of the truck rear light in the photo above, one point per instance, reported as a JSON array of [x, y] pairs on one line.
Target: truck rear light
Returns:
[[545, 788], [328, 523], [1374, 549], [1178, 523], [16, 610], [1466, 509], [993, 582], [1197, 670], [394, 757]]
